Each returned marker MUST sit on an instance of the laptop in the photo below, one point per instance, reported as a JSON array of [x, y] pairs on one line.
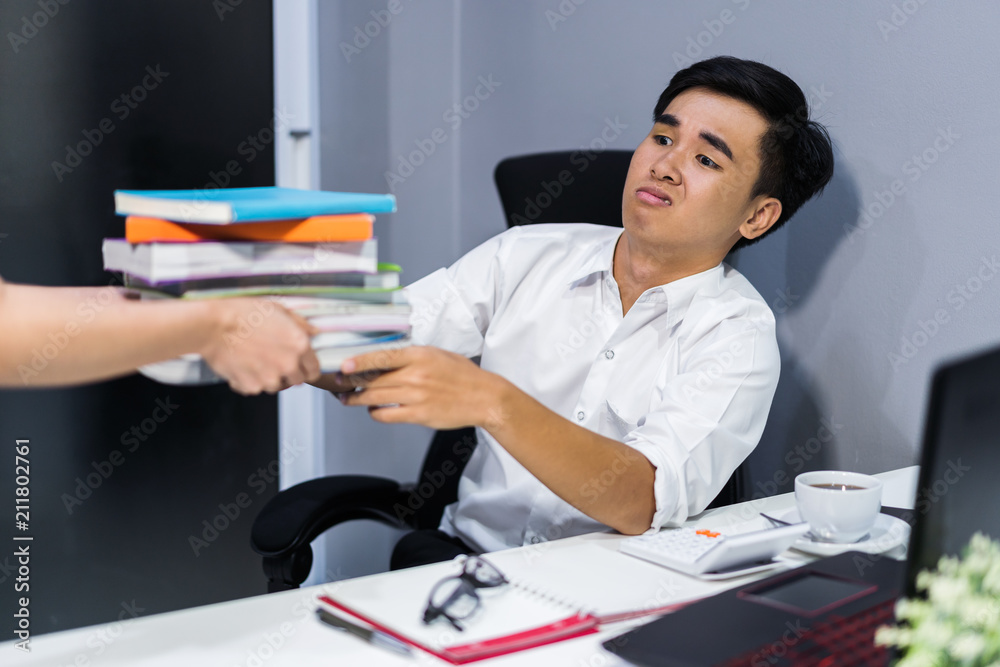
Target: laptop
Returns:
[[826, 612]]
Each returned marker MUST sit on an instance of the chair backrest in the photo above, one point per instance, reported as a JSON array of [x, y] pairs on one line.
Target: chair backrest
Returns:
[[566, 186]]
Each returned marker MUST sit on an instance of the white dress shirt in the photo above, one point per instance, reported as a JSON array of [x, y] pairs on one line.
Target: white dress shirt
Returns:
[[686, 377]]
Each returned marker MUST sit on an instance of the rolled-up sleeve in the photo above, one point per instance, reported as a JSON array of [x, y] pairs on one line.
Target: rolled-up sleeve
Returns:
[[452, 308], [709, 415]]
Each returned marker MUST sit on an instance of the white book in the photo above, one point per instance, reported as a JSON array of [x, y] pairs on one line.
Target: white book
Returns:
[[191, 369], [330, 358], [156, 262], [361, 322], [311, 306]]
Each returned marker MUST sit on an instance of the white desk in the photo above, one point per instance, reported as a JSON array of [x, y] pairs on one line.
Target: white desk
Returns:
[[281, 629]]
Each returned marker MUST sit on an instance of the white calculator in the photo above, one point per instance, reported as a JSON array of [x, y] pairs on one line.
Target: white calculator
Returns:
[[698, 551]]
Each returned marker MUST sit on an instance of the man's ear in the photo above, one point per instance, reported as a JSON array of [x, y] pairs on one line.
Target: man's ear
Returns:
[[765, 213]]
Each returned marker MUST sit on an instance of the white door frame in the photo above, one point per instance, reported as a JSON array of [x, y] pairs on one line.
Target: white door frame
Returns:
[[301, 418]]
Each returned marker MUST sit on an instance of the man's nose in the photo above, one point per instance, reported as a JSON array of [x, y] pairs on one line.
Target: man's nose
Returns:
[[665, 168]]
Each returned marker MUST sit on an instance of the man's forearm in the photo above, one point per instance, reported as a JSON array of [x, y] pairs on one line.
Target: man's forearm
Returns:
[[603, 478]]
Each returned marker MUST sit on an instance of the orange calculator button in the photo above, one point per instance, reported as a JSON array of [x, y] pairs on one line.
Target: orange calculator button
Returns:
[[706, 533]]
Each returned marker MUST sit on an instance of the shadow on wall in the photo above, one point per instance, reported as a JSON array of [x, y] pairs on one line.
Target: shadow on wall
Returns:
[[799, 435], [882, 228]]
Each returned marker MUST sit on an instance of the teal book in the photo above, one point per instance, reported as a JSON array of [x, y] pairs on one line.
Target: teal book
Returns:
[[225, 206]]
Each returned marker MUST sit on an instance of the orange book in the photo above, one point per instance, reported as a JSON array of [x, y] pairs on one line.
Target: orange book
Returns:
[[317, 229]]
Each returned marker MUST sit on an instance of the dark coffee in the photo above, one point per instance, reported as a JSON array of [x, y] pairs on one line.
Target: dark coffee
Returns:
[[839, 487]]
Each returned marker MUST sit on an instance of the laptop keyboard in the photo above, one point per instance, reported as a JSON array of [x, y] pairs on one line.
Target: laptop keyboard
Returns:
[[837, 642]]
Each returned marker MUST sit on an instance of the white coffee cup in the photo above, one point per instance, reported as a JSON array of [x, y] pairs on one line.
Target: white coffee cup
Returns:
[[839, 506]]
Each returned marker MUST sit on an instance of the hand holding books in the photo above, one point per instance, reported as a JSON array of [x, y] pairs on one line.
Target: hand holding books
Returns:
[[312, 254], [259, 345], [71, 335], [312, 248]]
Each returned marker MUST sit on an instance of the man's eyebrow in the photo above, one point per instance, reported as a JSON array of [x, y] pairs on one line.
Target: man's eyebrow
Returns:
[[718, 143], [667, 119], [712, 139]]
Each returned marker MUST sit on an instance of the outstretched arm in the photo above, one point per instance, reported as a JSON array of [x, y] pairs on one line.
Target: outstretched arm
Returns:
[[440, 389], [69, 335]]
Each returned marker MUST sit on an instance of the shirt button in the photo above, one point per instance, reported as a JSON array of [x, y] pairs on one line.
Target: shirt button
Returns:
[[535, 540], [610, 354], [580, 416]]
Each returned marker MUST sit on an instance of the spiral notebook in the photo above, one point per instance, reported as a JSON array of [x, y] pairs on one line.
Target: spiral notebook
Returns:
[[511, 618]]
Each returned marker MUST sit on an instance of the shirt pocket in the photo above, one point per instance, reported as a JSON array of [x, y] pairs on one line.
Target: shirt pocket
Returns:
[[619, 422]]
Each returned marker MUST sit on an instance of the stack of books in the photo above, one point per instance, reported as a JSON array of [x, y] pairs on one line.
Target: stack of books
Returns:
[[313, 252]]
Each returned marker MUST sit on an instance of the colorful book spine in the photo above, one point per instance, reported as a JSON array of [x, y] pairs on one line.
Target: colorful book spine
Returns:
[[237, 205], [315, 229]]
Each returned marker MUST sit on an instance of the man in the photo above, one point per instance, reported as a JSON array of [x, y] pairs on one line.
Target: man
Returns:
[[624, 374]]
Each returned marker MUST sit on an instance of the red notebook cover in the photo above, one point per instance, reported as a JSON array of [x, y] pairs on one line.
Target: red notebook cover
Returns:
[[576, 624]]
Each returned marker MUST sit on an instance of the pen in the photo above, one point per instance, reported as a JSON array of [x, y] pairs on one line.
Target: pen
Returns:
[[376, 637]]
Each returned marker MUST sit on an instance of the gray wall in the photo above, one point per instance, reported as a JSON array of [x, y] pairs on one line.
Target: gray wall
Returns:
[[888, 274]]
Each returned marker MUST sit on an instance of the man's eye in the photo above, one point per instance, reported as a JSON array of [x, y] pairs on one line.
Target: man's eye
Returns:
[[707, 161], [663, 140]]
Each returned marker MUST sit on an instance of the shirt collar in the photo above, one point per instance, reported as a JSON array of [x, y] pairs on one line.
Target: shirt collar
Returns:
[[600, 259], [671, 302], [679, 292]]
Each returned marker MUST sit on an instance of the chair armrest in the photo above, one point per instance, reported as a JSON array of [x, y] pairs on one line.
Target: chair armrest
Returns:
[[297, 515]]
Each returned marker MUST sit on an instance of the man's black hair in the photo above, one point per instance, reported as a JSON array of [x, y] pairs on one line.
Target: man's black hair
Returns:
[[796, 156]]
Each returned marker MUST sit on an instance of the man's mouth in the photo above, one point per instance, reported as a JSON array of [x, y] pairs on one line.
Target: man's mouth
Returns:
[[653, 196]]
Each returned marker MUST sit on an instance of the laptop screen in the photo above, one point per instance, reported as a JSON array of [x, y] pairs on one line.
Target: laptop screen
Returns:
[[808, 593], [959, 489]]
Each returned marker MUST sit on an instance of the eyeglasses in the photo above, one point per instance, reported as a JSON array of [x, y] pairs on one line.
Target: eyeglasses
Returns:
[[456, 598]]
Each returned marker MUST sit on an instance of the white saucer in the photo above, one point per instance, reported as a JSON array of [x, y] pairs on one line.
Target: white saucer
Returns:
[[887, 533]]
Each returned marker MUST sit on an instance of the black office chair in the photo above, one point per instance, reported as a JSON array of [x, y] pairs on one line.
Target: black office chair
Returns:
[[563, 187], [546, 187]]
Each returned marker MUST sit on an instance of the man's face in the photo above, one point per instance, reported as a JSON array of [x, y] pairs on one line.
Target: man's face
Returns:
[[687, 193]]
